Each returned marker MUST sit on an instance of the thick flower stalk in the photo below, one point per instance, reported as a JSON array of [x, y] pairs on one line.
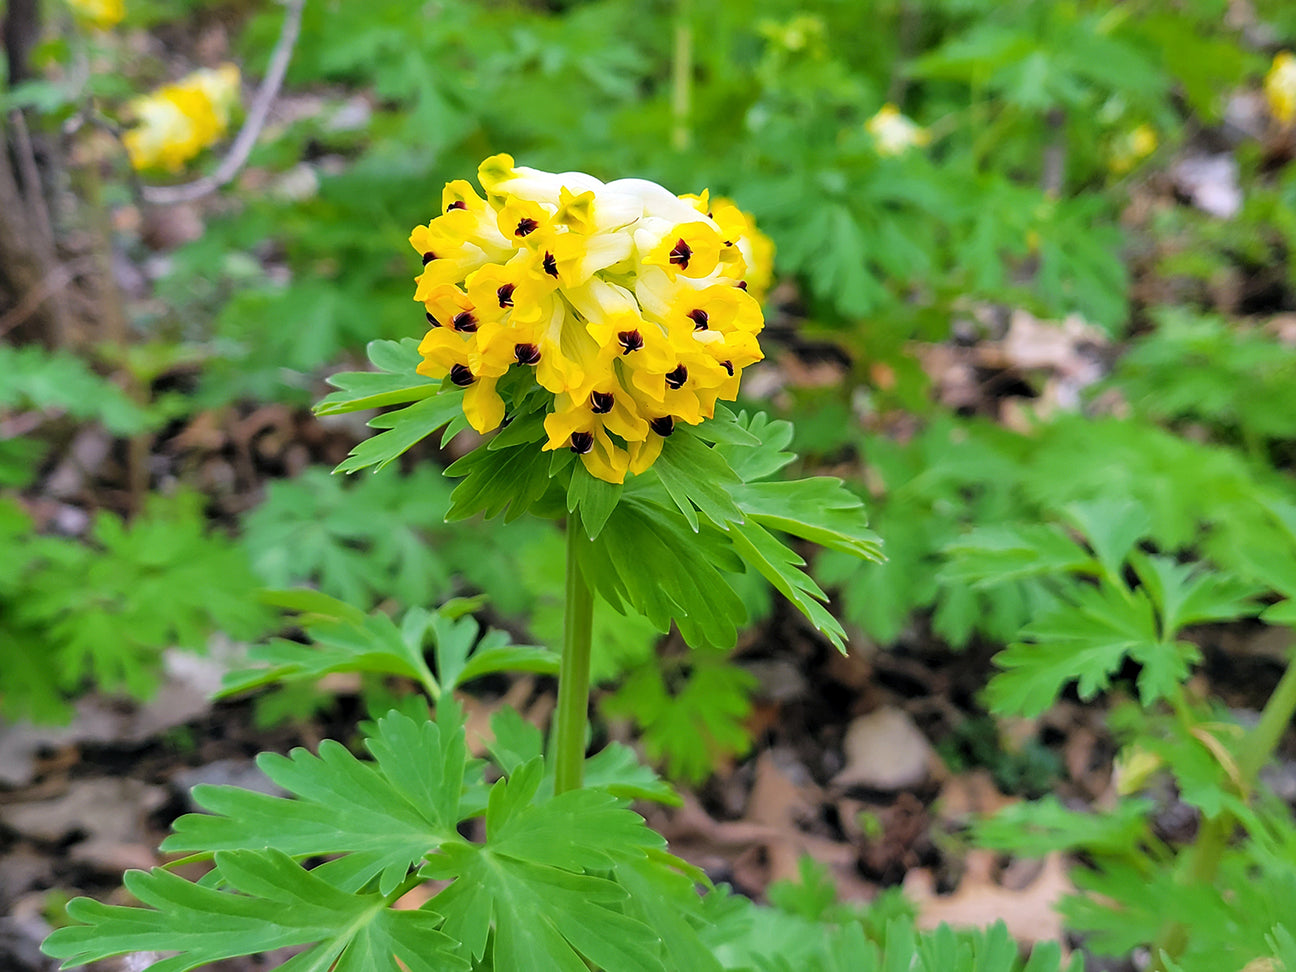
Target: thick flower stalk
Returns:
[[635, 309], [179, 120]]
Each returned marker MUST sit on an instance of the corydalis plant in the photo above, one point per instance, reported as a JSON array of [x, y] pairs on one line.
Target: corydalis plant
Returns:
[[633, 308], [564, 876]]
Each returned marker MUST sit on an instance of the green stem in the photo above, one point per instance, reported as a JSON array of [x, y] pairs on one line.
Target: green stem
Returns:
[[574, 675], [1268, 732], [682, 76], [1208, 850]]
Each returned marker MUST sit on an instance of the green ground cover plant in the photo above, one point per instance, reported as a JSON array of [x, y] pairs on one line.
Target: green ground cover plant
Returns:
[[567, 874]]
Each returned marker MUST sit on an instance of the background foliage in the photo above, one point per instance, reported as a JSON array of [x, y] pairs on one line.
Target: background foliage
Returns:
[[1082, 528]]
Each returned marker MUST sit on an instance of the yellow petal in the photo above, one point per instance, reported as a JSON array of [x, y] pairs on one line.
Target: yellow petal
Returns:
[[482, 405], [606, 461], [494, 171], [576, 210], [644, 454], [691, 249]]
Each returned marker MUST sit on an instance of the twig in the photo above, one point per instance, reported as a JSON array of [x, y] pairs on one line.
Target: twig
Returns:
[[682, 76], [25, 423], [907, 30], [1053, 169], [252, 125], [58, 278], [35, 193]]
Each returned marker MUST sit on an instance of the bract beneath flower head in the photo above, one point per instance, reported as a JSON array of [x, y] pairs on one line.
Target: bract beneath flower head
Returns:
[[635, 309]]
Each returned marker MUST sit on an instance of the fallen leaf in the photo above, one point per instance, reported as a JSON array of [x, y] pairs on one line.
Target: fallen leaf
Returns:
[[1210, 182], [105, 818], [969, 794], [478, 713], [1030, 913]]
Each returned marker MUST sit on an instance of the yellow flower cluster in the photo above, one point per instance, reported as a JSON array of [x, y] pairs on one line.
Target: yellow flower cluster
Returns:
[[99, 13], [633, 307], [1280, 87], [179, 120]]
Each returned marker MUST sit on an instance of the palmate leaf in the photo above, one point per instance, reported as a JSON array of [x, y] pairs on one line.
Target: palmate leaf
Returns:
[[693, 724], [404, 428], [344, 640], [994, 555], [360, 538], [781, 566], [281, 905], [395, 383], [821, 510], [384, 816], [431, 404], [461, 657], [526, 883], [1084, 639], [1112, 527], [615, 768], [774, 941], [1192, 594], [763, 458], [1040, 827], [540, 893], [31, 377], [667, 901], [162, 580]]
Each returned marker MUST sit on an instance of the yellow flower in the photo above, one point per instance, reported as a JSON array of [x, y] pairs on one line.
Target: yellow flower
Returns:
[[1131, 148], [100, 14], [692, 249], [756, 249], [893, 133], [179, 120], [1280, 87], [634, 308]]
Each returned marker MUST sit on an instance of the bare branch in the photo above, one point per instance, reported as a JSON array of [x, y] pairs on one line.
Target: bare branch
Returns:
[[54, 281], [33, 190], [252, 125]]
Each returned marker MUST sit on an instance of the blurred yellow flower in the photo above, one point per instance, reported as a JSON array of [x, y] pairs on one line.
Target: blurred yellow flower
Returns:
[[1134, 768], [1280, 87], [1131, 148], [633, 308], [98, 13], [804, 32], [893, 133], [179, 120]]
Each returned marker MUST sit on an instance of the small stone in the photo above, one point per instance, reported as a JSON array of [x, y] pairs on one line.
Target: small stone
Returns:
[[884, 750]]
